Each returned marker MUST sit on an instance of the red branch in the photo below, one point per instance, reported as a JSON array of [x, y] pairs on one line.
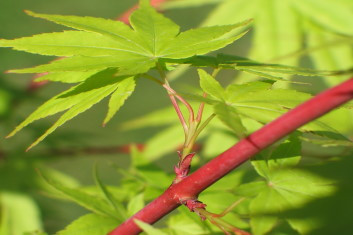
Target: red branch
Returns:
[[193, 185]]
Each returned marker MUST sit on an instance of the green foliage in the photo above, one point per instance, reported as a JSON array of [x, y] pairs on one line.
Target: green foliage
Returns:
[[285, 188], [114, 49], [105, 58], [150, 230], [90, 224], [13, 220], [91, 202]]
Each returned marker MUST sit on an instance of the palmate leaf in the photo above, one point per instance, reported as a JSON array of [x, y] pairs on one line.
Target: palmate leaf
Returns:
[[97, 47], [286, 189], [101, 43]]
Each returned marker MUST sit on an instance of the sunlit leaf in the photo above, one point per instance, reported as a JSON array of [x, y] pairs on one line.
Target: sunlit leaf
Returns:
[[68, 43], [231, 118], [187, 223], [117, 99], [149, 229], [287, 154], [135, 204], [13, 220], [90, 224], [66, 77], [105, 45], [286, 189], [210, 85]]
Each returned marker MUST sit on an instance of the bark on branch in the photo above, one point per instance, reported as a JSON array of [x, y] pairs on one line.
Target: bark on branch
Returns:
[[193, 185]]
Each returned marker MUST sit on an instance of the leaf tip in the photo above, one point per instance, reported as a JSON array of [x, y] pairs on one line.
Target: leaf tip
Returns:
[[10, 134], [28, 12], [31, 146]]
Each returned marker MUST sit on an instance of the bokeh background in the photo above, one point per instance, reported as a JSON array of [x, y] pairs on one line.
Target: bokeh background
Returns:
[[71, 151], [20, 184]]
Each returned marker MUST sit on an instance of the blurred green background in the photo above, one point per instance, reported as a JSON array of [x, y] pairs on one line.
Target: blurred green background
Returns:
[[20, 185]]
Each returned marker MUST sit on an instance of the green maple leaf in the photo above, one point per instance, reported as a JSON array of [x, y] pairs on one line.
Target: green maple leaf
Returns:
[[105, 56], [283, 188], [102, 43], [254, 100]]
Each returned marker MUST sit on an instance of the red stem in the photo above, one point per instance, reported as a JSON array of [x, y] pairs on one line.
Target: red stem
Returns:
[[126, 15], [193, 185], [181, 99]]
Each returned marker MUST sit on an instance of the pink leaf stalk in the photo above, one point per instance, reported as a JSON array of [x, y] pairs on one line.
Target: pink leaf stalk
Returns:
[[126, 15], [190, 187]]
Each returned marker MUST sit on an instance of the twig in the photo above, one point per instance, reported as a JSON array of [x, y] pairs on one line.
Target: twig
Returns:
[[182, 100], [193, 185]]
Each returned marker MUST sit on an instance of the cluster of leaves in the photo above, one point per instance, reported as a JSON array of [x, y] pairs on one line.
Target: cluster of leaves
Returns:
[[275, 188], [107, 58]]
